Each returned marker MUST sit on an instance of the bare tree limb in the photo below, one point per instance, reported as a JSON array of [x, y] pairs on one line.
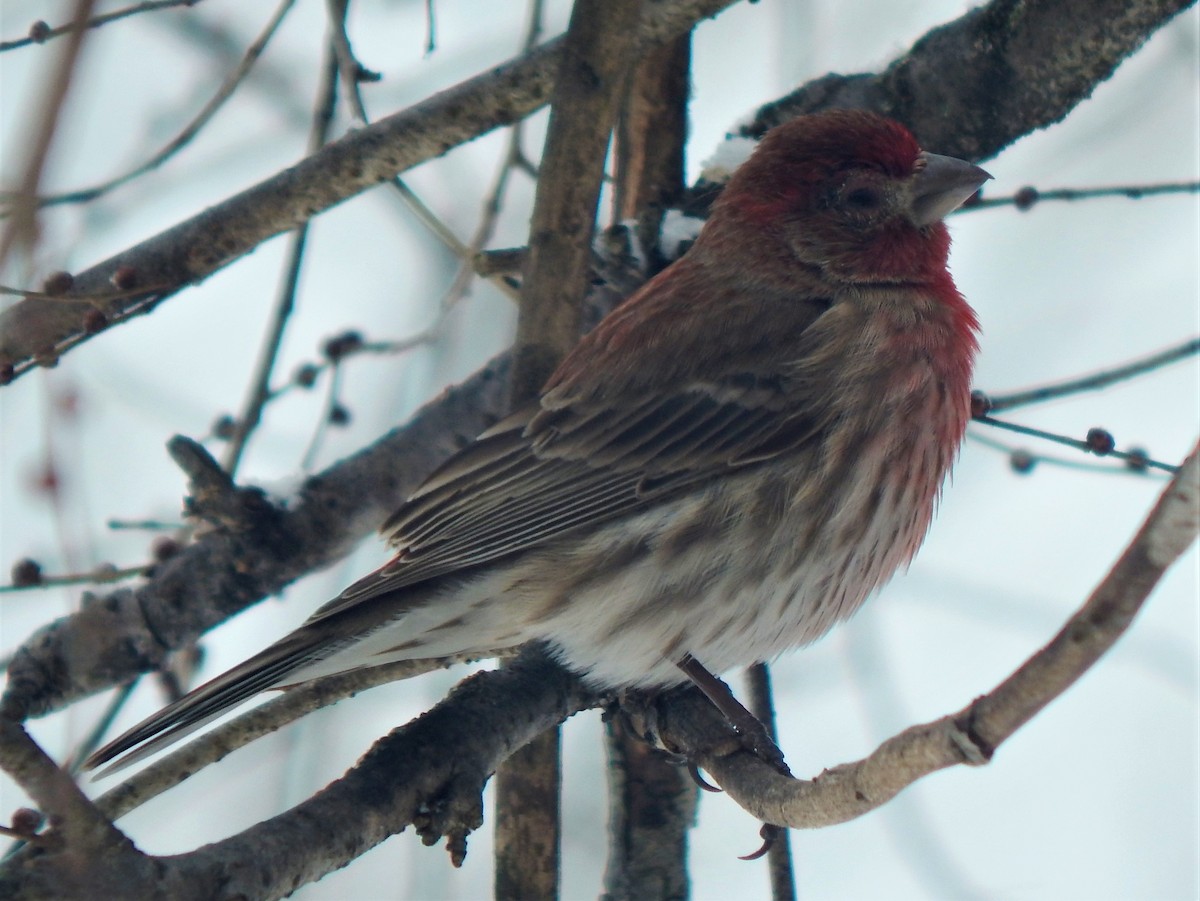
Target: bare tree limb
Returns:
[[973, 86], [406, 779], [972, 735], [196, 248], [652, 806]]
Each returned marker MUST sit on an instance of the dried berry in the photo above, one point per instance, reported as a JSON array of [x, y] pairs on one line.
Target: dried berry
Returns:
[[1025, 198], [225, 427], [1021, 461], [27, 821], [306, 375], [981, 404], [340, 345], [94, 321], [164, 548], [1137, 459], [123, 278], [26, 572], [1100, 442], [58, 282]]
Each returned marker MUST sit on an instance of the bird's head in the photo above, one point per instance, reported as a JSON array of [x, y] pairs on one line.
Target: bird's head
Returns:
[[852, 194]]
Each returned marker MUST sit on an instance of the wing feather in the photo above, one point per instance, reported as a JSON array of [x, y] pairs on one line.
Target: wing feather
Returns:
[[598, 446]]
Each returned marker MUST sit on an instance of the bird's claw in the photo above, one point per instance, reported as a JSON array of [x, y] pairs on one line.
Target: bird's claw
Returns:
[[770, 834], [698, 778]]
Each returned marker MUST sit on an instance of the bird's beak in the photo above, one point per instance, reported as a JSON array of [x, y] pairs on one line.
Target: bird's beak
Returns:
[[941, 186]]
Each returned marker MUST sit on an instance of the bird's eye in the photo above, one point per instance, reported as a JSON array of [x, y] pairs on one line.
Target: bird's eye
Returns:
[[863, 200]]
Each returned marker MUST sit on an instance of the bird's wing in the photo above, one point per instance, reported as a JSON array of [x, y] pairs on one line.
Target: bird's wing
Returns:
[[614, 434], [590, 458], [526, 481]]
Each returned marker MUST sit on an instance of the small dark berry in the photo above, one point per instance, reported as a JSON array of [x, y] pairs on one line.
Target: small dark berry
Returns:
[[94, 321], [225, 427], [1025, 198], [1021, 461], [123, 278], [58, 282], [339, 415], [26, 572], [981, 404], [39, 31], [306, 375], [27, 821], [340, 345], [1138, 459], [1100, 442]]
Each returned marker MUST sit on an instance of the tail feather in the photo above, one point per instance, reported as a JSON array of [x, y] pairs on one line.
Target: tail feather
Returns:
[[264, 670]]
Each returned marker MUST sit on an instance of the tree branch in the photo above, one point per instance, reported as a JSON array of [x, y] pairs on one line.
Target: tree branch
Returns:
[[972, 735], [44, 328], [973, 86], [406, 779]]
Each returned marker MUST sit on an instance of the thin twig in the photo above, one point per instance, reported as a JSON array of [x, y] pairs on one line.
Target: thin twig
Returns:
[[1097, 380], [22, 228], [1028, 197], [1131, 457], [351, 70], [314, 445], [260, 385], [779, 853], [494, 203], [40, 35], [101, 727], [181, 140], [430, 28], [1024, 460], [100, 576]]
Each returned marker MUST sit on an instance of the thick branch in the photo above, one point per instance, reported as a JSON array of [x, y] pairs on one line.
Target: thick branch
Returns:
[[973, 86], [44, 328], [407, 778]]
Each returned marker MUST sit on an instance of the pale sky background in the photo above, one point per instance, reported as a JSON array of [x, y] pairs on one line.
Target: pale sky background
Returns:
[[1096, 799]]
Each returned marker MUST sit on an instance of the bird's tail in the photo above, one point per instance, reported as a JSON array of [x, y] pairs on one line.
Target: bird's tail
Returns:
[[268, 669]]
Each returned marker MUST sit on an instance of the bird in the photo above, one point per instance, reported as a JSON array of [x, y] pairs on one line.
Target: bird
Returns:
[[727, 465]]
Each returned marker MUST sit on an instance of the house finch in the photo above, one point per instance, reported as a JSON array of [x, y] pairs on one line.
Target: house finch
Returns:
[[725, 467]]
